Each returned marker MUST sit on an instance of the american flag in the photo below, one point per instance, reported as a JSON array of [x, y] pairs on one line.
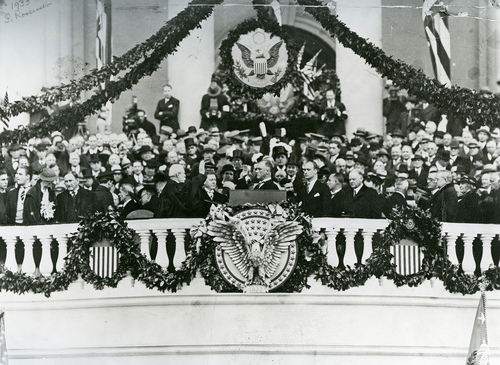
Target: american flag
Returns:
[[479, 352], [309, 72], [103, 33], [437, 32]]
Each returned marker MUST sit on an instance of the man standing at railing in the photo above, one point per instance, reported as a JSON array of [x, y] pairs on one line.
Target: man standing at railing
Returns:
[[361, 201], [39, 203], [314, 196], [444, 203], [17, 196], [74, 203]]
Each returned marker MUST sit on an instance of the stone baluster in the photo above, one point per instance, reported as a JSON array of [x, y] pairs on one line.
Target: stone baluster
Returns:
[[10, 259], [144, 236], [367, 243], [46, 265], [28, 265], [350, 254], [451, 239], [487, 260], [332, 255], [180, 252], [161, 255], [63, 251], [468, 264]]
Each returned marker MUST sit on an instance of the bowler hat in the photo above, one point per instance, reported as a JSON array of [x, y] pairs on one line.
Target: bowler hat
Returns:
[[397, 133], [192, 129], [227, 167]]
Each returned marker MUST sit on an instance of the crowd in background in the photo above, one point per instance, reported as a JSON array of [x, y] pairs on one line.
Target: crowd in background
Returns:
[[167, 172]]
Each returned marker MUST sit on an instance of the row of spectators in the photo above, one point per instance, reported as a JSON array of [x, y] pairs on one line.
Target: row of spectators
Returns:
[[174, 175]]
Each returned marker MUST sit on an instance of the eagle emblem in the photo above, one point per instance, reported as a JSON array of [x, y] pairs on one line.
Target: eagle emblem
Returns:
[[255, 256], [260, 59]]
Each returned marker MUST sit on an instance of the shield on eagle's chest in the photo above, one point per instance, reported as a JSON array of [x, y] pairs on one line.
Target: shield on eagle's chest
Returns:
[[260, 66]]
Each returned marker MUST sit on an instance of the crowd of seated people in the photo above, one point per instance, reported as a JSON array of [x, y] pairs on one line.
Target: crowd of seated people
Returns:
[[177, 174]]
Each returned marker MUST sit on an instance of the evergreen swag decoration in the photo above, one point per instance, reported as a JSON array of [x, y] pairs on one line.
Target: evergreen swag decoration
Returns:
[[417, 225], [227, 62], [93, 229], [310, 255]]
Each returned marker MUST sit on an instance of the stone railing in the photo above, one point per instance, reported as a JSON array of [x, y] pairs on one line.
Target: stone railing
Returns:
[[349, 241]]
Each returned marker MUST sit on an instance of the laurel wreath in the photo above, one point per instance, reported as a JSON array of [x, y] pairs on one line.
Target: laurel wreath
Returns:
[[226, 73]]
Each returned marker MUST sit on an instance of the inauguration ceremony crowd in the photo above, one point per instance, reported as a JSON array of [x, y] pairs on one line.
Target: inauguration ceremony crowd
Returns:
[[167, 172]]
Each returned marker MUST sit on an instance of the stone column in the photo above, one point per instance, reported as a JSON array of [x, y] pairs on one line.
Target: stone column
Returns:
[[191, 67], [362, 86]]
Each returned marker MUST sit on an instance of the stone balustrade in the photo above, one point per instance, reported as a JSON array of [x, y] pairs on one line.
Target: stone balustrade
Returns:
[[348, 241]]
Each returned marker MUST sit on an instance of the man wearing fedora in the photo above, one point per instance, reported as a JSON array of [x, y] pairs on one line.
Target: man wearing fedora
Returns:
[[39, 204], [214, 108], [167, 109]]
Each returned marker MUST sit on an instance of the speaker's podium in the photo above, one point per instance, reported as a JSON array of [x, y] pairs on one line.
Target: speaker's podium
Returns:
[[240, 197]]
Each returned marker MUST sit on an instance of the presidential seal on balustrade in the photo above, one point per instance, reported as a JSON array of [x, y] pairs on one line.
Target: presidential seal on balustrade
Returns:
[[256, 248]]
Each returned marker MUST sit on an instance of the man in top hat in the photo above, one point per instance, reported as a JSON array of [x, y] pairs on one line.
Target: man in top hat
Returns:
[[392, 107], [410, 117], [103, 197], [39, 204], [75, 202], [468, 201], [280, 156], [167, 109], [214, 108], [333, 115], [143, 123], [443, 160]]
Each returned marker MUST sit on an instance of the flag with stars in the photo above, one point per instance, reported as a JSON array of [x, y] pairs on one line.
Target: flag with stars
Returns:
[[3, 347], [478, 348]]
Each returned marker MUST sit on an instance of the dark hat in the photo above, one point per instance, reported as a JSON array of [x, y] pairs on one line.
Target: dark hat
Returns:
[[160, 176], [227, 167], [426, 139], [207, 149], [397, 133], [418, 156], [238, 154], [292, 160], [86, 173], [383, 152], [210, 165], [189, 142], [454, 143], [105, 176], [412, 99], [356, 142], [42, 146], [392, 88], [461, 170], [361, 132], [279, 150], [375, 178], [144, 149], [15, 147], [152, 164], [443, 155], [338, 135], [156, 140], [349, 155], [403, 168], [321, 155], [94, 158], [310, 153], [374, 146], [467, 180], [473, 143], [48, 174], [361, 159], [192, 129], [438, 134], [324, 171]]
